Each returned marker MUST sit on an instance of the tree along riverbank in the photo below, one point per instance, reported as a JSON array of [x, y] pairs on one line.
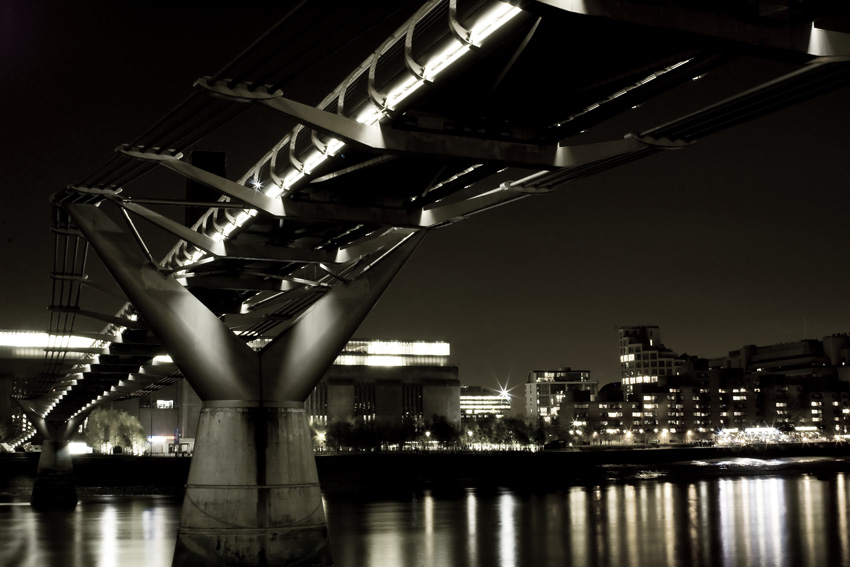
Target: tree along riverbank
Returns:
[[370, 471]]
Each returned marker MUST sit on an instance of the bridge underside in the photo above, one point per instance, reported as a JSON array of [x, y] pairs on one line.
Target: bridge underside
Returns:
[[387, 120]]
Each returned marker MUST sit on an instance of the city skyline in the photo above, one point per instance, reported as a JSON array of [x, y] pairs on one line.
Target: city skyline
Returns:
[[736, 240]]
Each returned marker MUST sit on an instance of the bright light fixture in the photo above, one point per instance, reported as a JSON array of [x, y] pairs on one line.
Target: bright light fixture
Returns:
[[78, 448], [417, 348], [37, 339]]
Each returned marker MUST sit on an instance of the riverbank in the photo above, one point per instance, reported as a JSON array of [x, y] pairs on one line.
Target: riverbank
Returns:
[[355, 472], [553, 469]]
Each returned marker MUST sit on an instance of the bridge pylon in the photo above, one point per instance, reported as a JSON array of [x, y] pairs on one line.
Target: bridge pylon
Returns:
[[253, 495], [54, 486]]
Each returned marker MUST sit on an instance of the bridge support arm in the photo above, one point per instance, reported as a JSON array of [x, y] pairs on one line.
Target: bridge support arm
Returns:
[[384, 138], [215, 361], [295, 362]]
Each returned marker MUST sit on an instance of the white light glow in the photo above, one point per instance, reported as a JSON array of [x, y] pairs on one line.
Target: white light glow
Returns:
[[229, 228], [408, 348], [370, 115], [334, 146], [761, 430], [241, 218], [410, 86], [36, 339], [273, 190], [359, 360], [291, 178], [78, 448], [503, 13], [445, 59], [313, 161]]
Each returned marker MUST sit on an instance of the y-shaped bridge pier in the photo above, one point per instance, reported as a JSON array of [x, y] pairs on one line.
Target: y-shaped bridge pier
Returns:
[[253, 490]]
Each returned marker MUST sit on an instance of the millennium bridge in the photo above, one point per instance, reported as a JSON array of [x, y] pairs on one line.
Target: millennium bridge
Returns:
[[392, 119]]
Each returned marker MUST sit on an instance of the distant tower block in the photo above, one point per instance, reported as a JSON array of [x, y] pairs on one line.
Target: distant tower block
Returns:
[[643, 357]]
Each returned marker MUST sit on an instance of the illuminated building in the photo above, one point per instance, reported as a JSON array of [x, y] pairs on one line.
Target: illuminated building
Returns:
[[477, 402], [546, 389], [797, 384], [388, 381], [643, 357], [790, 387], [694, 406], [373, 380]]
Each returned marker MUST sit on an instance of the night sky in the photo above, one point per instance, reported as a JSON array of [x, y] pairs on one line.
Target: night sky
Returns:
[[739, 239]]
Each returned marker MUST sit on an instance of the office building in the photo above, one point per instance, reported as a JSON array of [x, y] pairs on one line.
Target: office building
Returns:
[[477, 402], [643, 357], [793, 387], [389, 382], [800, 358], [546, 389]]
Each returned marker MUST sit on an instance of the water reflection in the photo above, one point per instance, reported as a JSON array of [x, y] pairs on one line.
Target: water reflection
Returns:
[[99, 532], [751, 521], [748, 521]]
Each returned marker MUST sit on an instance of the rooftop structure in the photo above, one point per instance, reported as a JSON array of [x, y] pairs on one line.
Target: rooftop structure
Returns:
[[800, 358]]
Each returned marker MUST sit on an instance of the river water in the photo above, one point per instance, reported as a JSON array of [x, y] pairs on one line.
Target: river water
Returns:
[[772, 518]]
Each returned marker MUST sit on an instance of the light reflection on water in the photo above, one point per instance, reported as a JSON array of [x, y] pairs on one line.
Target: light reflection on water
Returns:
[[104, 531], [747, 521]]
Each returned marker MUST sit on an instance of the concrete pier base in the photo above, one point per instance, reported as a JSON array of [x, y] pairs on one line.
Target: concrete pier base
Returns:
[[253, 496], [54, 482]]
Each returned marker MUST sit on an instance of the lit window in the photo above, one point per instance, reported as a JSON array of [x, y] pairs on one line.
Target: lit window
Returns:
[[164, 404]]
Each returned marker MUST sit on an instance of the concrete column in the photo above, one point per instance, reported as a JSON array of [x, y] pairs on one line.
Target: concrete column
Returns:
[[253, 494], [54, 482]]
